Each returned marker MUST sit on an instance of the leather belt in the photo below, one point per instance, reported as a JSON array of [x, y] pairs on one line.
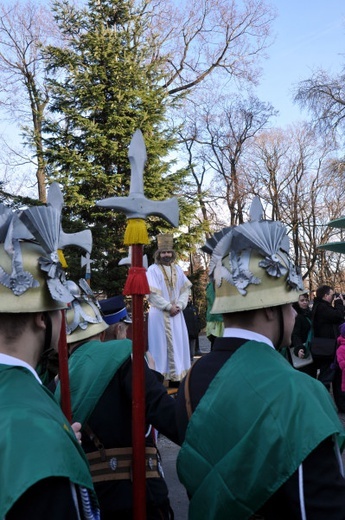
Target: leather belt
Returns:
[[116, 464]]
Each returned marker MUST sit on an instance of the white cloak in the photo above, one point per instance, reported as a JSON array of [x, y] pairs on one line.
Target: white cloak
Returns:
[[167, 335]]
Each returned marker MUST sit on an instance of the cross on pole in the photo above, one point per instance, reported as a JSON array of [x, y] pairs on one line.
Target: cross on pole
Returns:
[[137, 207]]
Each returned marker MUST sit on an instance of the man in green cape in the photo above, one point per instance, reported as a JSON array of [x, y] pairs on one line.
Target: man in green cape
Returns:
[[260, 439], [101, 399], [44, 473]]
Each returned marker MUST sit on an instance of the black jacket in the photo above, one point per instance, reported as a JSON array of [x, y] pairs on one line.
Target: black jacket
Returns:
[[326, 318], [111, 422], [301, 328], [192, 320]]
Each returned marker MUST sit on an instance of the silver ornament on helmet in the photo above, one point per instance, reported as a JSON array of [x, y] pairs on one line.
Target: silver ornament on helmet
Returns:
[[249, 257]]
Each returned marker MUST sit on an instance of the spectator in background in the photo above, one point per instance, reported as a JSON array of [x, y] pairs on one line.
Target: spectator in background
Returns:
[[327, 315], [339, 376], [301, 331], [167, 330], [341, 354], [116, 316], [192, 319]]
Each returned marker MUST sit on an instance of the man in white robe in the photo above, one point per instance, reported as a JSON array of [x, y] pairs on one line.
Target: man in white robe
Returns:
[[167, 332]]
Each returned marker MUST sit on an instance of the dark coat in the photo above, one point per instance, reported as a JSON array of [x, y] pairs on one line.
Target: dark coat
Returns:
[[111, 422], [326, 318], [299, 337], [192, 320], [301, 328]]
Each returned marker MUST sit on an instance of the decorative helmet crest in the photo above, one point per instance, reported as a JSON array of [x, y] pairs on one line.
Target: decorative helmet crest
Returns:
[[32, 277], [251, 267], [83, 316]]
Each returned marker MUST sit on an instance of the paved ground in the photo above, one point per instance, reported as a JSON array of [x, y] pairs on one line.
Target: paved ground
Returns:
[[177, 493], [169, 452], [204, 344]]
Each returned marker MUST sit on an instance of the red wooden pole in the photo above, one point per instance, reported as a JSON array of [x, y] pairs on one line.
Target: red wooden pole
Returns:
[[138, 396], [63, 370]]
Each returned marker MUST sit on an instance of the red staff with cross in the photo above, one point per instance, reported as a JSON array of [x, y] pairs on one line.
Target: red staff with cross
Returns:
[[137, 207]]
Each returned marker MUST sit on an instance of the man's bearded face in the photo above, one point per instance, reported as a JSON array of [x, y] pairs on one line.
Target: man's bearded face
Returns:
[[165, 257]]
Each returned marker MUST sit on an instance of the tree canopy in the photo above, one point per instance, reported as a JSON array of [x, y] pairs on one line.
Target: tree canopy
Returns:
[[104, 85], [323, 95]]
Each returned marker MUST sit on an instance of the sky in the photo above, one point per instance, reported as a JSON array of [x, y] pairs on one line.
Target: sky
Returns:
[[308, 34]]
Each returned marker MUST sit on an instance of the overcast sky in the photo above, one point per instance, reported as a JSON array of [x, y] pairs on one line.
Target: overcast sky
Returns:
[[309, 34]]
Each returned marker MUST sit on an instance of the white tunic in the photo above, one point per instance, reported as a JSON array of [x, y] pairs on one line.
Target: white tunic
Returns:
[[168, 335]]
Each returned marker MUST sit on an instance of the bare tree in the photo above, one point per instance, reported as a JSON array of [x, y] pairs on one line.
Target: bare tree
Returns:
[[219, 141], [324, 96], [295, 176], [192, 41], [24, 28], [198, 37]]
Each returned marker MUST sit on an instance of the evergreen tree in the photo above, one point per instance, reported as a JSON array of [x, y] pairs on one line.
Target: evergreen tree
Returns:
[[104, 84]]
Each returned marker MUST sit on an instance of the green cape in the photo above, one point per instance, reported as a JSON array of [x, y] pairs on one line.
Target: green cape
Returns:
[[258, 420], [36, 440], [91, 368]]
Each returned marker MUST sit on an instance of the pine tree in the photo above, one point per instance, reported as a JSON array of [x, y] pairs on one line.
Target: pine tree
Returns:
[[104, 84]]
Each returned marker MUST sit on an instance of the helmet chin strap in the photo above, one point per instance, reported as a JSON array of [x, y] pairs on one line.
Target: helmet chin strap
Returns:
[[281, 328], [47, 341], [48, 336]]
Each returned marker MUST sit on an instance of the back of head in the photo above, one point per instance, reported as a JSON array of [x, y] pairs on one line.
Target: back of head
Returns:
[[322, 291], [83, 316], [114, 310], [251, 267]]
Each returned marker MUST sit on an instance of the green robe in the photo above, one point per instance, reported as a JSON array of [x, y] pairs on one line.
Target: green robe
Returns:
[[91, 368], [36, 440], [258, 420]]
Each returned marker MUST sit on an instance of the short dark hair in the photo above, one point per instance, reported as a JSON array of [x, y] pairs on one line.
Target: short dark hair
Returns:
[[12, 325], [305, 295], [322, 291]]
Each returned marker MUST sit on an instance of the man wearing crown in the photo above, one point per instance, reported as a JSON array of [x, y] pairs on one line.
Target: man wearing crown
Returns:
[[167, 332]]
